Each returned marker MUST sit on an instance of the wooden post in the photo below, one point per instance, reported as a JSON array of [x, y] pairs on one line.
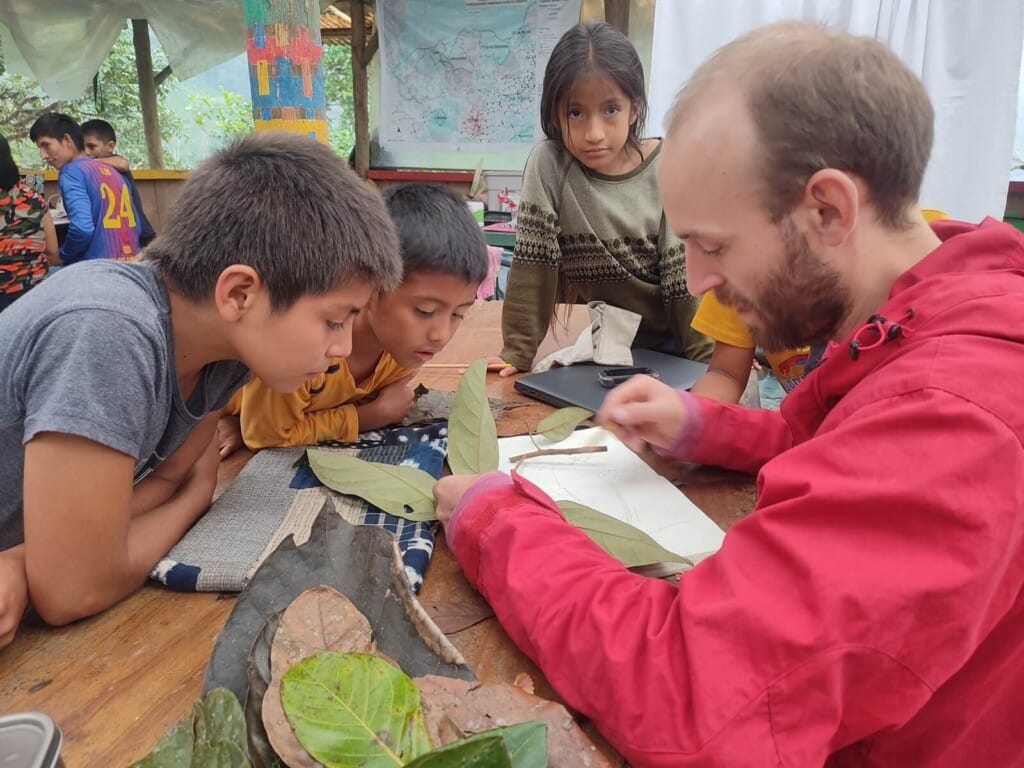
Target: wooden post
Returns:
[[360, 89], [286, 66], [147, 93], [616, 13]]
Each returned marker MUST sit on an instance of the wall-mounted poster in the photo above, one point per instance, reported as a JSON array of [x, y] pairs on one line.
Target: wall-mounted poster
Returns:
[[461, 79]]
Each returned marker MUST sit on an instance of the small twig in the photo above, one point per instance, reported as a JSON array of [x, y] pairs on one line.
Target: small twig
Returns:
[[559, 452]]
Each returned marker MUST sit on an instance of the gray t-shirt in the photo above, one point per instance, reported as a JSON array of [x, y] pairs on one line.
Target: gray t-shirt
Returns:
[[90, 352]]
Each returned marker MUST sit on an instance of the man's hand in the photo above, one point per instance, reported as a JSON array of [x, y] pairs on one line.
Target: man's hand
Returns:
[[229, 435], [13, 593], [448, 492], [643, 411]]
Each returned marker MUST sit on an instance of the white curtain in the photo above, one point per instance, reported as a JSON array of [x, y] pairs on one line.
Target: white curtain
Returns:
[[967, 54]]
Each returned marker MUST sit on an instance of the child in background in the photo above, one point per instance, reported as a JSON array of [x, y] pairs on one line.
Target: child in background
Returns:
[[102, 222], [733, 355], [101, 144], [28, 239], [113, 375], [590, 221], [445, 259]]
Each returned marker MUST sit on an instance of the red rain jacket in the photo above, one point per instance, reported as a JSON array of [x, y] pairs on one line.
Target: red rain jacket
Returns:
[[869, 612]]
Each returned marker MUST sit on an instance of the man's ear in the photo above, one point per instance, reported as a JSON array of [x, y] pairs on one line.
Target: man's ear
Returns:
[[237, 291], [831, 205]]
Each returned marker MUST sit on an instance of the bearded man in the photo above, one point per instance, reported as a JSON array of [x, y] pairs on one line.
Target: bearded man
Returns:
[[870, 610]]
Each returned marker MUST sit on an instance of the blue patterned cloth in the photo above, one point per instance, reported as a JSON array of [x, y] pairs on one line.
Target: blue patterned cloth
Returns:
[[226, 545]]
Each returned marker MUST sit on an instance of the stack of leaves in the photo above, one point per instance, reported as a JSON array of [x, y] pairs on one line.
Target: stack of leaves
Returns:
[[473, 449], [334, 700]]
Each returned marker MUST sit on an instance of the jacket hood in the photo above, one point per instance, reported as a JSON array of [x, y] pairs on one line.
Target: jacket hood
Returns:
[[971, 285]]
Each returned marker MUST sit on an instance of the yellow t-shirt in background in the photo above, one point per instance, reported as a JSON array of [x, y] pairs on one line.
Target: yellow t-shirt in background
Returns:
[[323, 409], [722, 323]]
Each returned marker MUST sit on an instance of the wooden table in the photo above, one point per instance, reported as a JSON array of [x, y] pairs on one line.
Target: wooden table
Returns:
[[115, 683]]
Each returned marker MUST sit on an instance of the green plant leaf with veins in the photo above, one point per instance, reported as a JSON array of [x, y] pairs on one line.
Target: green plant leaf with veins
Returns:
[[472, 434], [474, 752], [353, 709], [524, 745], [562, 423], [211, 736], [624, 542], [403, 491]]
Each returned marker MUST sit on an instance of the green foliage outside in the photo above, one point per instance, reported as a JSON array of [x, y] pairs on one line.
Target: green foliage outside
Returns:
[[221, 116]]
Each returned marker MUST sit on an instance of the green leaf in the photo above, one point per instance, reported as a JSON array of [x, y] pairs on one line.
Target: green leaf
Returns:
[[474, 752], [353, 709], [622, 541], [524, 745], [212, 736], [404, 491], [560, 424], [472, 435]]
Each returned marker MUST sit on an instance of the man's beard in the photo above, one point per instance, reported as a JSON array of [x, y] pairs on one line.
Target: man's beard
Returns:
[[801, 302]]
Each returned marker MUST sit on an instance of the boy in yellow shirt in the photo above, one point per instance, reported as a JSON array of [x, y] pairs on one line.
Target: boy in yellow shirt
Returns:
[[733, 354], [445, 258]]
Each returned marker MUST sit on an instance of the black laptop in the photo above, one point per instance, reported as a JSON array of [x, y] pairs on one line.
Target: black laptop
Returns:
[[578, 384]]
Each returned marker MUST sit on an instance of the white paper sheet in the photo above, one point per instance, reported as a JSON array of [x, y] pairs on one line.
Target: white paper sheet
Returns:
[[619, 484]]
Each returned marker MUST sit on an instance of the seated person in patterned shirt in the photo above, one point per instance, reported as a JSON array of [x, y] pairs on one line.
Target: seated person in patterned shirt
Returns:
[[445, 259]]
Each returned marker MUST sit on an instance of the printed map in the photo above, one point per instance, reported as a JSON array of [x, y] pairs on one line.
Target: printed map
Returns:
[[465, 72]]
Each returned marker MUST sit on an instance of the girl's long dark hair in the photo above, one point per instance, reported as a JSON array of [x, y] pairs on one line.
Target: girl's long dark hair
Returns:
[[593, 47]]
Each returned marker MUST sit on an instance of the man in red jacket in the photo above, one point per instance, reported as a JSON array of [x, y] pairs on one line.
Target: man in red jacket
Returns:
[[870, 610]]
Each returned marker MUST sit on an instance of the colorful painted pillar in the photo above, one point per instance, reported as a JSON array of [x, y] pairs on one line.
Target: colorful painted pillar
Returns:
[[286, 72]]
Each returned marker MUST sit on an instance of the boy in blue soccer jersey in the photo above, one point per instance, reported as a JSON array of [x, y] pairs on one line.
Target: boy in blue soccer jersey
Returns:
[[103, 223]]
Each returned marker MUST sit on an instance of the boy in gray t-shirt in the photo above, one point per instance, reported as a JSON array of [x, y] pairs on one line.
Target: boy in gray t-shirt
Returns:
[[112, 375]]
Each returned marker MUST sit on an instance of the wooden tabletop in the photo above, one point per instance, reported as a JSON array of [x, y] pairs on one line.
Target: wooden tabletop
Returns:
[[115, 683]]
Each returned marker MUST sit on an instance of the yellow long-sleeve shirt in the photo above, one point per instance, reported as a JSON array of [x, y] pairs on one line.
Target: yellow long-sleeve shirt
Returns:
[[323, 409]]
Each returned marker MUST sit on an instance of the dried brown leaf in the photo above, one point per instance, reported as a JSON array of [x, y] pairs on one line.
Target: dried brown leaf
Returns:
[[452, 617], [320, 619], [457, 708]]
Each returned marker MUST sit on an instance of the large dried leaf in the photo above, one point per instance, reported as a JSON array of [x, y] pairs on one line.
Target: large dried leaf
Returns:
[[261, 752], [455, 709], [472, 434], [212, 736], [631, 546], [433, 405], [320, 619], [451, 617], [560, 424], [403, 491], [354, 709]]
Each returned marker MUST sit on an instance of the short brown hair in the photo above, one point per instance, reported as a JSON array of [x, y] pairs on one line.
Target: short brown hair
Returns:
[[819, 99], [285, 205]]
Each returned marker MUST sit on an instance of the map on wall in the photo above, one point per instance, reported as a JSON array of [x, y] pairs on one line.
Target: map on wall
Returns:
[[465, 75]]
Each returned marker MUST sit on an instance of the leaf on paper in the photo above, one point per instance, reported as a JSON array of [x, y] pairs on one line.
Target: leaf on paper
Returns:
[[211, 736], [560, 424], [403, 491], [320, 619], [354, 709], [622, 541], [472, 434]]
